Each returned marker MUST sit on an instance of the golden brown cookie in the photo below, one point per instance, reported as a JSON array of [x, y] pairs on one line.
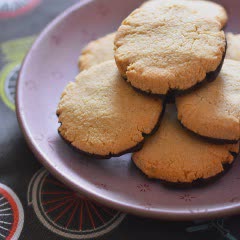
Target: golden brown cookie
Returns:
[[100, 114], [170, 45], [233, 51], [208, 9], [213, 111], [97, 51], [175, 155]]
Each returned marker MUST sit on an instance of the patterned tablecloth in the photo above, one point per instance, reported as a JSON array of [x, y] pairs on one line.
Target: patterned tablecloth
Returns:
[[34, 205]]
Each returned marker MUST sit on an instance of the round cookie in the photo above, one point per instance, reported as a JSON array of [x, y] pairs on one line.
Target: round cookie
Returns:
[[97, 51], [169, 46], [213, 111], [100, 114], [175, 155], [233, 51]]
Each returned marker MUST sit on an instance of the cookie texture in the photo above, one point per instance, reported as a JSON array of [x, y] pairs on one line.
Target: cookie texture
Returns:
[[97, 51], [100, 114], [169, 45], [213, 111], [207, 9], [174, 155], [233, 51]]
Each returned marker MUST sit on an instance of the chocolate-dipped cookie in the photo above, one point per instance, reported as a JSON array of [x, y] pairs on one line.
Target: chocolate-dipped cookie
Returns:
[[100, 114], [213, 111], [166, 46], [174, 155]]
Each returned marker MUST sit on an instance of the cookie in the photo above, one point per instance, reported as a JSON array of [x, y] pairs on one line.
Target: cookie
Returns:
[[174, 155], [233, 51], [207, 9], [169, 46], [101, 115], [97, 51], [213, 111]]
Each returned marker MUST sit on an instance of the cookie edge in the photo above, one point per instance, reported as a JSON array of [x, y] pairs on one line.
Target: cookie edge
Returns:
[[210, 77], [207, 138], [135, 148], [200, 182]]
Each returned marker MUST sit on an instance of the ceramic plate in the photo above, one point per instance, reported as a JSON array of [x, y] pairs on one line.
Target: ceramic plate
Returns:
[[116, 182]]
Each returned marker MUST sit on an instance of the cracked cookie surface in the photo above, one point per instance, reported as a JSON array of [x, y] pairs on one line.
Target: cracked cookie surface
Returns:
[[170, 45], [100, 114], [175, 155], [213, 111], [207, 9], [97, 51]]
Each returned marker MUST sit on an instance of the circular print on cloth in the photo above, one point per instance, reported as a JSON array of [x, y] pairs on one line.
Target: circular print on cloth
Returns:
[[13, 53], [67, 213], [11, 214], [10, 85], [14, 8]]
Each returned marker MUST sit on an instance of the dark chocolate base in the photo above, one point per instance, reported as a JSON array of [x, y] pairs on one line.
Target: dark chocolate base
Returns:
[[199, 182], [209, 139], [196, 183], [169, 97], [130, 150], [97, 156]]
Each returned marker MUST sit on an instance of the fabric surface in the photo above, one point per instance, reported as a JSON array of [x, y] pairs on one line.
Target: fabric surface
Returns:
[[34, 205]]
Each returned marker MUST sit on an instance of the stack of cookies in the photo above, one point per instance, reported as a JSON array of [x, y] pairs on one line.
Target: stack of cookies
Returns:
[[160, 88]]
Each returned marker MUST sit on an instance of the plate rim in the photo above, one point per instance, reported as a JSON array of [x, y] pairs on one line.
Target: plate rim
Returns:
[[216, 211]]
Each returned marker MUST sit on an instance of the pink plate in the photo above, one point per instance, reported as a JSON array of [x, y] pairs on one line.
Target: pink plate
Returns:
[[49, 66]]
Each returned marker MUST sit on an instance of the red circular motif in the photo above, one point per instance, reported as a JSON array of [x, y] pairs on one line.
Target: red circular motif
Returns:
[[67, 213], [10, 210], [17, 11], [15, 212]]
